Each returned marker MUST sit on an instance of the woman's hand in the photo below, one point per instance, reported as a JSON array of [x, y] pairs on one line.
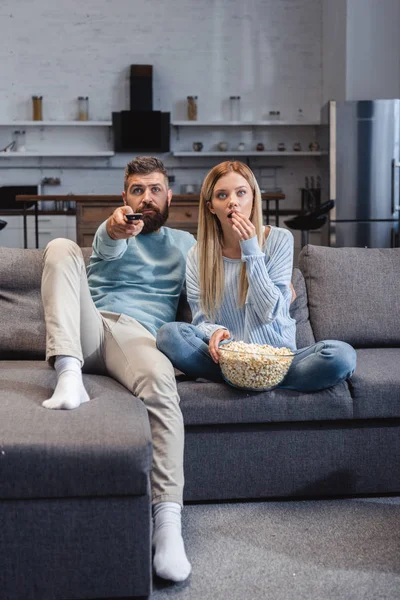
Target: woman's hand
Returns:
[[242, 226], [294, 295], [217, 336]]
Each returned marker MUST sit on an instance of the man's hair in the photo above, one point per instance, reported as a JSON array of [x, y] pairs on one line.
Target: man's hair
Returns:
[[144, 165]]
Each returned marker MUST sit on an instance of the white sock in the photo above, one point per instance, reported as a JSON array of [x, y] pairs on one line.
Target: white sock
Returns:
[[170, 561], [70, 391]]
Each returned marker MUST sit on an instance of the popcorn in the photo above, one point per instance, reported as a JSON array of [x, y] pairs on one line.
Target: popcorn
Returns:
[[254, 366]]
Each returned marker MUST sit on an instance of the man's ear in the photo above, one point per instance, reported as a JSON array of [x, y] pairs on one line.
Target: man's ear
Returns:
[[169, 197], [124, 197], [210, 208]]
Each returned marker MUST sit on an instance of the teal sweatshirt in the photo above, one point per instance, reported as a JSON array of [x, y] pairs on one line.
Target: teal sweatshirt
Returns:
[[141, 277]]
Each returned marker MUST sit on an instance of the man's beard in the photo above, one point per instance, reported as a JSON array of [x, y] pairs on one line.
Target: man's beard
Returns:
[[154, 221]]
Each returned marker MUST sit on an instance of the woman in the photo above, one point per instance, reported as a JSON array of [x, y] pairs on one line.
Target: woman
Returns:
[[238, 279]]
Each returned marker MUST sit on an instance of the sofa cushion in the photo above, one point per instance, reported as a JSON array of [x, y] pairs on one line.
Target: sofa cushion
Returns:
[[299, 311], [101, 449], [375, 384], [22, 328], [207, 403], [353, 294]]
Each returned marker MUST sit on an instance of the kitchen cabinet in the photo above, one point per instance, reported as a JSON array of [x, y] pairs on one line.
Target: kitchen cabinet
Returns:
[[89, 215], [50, 227], [12, 236]]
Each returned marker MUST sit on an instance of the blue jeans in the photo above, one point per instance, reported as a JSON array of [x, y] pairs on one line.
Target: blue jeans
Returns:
[[314, 368]]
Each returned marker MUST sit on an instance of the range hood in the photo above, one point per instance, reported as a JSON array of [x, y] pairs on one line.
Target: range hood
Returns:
[[141, 129]]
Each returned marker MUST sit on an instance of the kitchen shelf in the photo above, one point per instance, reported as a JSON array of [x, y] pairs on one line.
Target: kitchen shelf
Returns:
[[49, 154], [237, 153], [56, 124], [242, 124]]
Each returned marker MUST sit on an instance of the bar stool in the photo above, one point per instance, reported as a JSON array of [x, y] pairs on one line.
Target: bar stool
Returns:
[[310, 221]]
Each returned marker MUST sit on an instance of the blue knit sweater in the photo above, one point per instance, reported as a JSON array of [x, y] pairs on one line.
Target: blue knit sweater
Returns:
[[265, 318]]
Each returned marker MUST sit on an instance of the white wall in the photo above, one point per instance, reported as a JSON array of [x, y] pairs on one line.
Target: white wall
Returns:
[[267, 51], [373, 49]]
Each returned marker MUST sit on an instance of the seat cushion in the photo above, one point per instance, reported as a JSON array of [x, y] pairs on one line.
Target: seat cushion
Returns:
[[375, 385], [102, 448], [207, 403], [353, 294]]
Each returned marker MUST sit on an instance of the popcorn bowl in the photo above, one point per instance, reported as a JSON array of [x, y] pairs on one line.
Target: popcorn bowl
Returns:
[[253, 366]]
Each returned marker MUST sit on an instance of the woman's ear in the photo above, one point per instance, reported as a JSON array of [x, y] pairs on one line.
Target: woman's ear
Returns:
[[210, 208]]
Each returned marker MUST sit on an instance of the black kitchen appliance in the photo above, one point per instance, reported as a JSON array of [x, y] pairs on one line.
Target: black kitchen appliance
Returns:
[[141, 87], [141, 129], [9, 192]]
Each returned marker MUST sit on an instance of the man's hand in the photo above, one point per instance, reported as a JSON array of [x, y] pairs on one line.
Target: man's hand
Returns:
[[118, 228], [217, 336]]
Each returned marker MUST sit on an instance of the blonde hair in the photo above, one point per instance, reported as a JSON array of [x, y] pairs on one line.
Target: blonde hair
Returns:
[[210, 238]]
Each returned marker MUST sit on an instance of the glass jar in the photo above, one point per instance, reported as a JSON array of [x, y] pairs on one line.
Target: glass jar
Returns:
[[274, 115], [19, 141], [37, 114], [83, 108], [192, 108], [234, 105]]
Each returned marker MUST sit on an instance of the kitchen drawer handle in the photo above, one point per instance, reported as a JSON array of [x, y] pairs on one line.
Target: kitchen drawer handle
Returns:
[[188, 214]]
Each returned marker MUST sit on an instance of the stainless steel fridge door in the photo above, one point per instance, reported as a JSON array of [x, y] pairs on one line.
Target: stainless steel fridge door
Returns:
[[367, 149], [364, 234]]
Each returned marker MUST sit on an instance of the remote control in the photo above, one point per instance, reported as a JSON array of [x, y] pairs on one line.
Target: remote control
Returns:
[[134, 216]]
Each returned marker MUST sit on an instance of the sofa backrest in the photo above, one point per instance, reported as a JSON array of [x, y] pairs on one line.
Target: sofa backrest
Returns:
[[22, 327], [353, 294], [22, 330], [299, 312]]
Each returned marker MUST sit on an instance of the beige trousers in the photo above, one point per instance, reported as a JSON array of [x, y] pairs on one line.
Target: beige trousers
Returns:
[[118, 346]]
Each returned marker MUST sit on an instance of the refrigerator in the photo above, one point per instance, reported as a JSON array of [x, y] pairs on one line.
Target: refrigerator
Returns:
[[361, 171]]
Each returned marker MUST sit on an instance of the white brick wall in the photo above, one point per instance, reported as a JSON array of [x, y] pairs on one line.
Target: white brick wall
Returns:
[[266, 51]]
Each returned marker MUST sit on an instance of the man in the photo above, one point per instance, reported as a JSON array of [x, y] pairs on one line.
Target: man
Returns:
[[107, 322]]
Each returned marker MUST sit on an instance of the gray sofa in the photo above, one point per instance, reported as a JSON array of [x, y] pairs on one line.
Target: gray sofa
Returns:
[[74, 485]]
